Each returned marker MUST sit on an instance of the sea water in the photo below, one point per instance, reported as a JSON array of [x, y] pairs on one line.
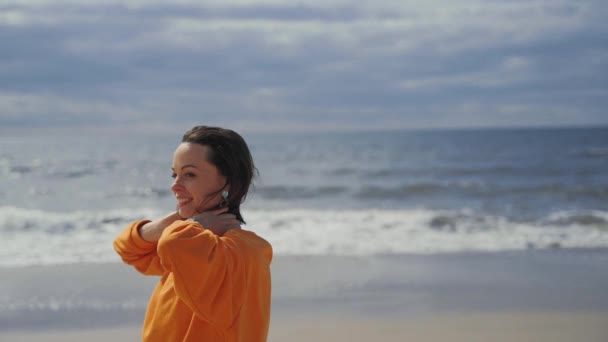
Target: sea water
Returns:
[[63, 198]]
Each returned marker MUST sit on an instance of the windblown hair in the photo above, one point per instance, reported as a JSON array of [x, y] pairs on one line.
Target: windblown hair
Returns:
[[229, 152]]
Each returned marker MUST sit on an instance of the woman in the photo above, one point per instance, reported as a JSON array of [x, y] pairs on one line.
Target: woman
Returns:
[[215, 276]]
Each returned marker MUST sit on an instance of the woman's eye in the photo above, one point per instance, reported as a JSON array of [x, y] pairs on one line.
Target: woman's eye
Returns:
[[187, 175]]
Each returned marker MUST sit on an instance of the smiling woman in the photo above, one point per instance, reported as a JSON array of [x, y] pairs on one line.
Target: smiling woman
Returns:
[[196, 180], [215, 276]]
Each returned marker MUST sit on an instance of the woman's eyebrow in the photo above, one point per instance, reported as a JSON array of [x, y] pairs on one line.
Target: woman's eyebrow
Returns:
[[185, 166]]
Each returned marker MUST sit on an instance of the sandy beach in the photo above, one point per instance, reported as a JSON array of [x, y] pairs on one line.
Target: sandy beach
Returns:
[[520, 296], [521, 327]]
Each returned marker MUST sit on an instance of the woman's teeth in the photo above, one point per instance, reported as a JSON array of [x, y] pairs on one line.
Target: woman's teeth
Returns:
[[184, 201]]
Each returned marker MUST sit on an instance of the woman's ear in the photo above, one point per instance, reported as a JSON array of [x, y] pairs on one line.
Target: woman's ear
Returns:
[[224, 200]]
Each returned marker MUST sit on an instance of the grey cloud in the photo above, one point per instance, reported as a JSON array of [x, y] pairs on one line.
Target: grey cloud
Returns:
[[302, 63]]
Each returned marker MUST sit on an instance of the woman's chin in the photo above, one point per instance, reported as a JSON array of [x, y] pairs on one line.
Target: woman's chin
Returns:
[[185, 213]]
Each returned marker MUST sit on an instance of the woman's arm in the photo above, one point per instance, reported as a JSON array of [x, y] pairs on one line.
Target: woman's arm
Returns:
[[152, 230], [137, 244], [218, 221], [137, 252]]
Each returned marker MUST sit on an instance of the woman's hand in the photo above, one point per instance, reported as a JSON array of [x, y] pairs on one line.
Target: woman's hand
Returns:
[[218, 221], [152, 230]]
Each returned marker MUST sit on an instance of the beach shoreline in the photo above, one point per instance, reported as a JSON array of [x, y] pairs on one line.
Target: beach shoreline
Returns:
[[549, 295]]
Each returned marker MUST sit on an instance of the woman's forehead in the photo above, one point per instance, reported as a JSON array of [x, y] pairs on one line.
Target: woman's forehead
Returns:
[[191, 153]]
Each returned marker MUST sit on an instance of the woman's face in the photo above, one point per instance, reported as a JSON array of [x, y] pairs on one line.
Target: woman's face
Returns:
[[196, 180]]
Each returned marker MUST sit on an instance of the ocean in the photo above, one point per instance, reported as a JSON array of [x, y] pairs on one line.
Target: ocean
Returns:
[[63, 198]]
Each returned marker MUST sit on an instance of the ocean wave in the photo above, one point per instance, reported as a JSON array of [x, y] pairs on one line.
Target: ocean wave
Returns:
[[22, 220], [20, 169], [593, 152], [141, 192], [72, 169], [15, 171], [400, 192], [479, 189], [434, 188], [342, 171], [43, 237], [367, 232], [73, 172], [297, 192], [592, 218], [471, 189], [496, 170], [55, 304], [147, 192], [399, 173], [578, 190]]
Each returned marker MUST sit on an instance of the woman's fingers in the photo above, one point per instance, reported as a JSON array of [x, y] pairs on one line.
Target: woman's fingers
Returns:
[[229, 220], [217, 212]]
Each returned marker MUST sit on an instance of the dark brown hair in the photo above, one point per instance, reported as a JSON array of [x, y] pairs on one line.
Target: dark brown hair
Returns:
[[230, 154]]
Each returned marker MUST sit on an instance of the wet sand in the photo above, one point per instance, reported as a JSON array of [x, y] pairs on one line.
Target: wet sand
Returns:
[[557, 295], [521, 327]]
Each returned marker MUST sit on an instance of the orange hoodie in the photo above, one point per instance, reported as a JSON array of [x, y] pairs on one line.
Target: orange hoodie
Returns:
[[212, 288]]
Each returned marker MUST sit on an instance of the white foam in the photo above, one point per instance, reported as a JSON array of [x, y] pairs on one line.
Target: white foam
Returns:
[[364, 232], [42, 237]]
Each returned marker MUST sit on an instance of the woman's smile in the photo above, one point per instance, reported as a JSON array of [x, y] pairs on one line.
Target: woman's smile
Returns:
[[184, 201]]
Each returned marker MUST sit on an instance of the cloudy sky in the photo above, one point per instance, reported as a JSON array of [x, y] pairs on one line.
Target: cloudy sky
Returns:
[[318, 64]]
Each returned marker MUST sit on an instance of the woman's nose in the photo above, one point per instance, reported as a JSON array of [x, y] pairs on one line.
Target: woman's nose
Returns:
[[176, 184]]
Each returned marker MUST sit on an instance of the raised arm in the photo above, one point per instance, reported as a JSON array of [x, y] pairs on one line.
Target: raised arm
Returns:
[[137, 244]]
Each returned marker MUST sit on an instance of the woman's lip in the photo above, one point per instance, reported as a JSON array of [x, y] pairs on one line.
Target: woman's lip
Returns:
[[184, 201]]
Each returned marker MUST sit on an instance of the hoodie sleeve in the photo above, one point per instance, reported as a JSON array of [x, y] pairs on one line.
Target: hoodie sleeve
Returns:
[[136, 251], [210, 272]]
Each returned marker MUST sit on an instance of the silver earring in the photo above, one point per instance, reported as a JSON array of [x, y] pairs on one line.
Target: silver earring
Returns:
[[224, 201]]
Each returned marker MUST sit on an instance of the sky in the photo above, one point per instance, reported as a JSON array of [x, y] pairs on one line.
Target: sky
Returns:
[[297, 66]]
